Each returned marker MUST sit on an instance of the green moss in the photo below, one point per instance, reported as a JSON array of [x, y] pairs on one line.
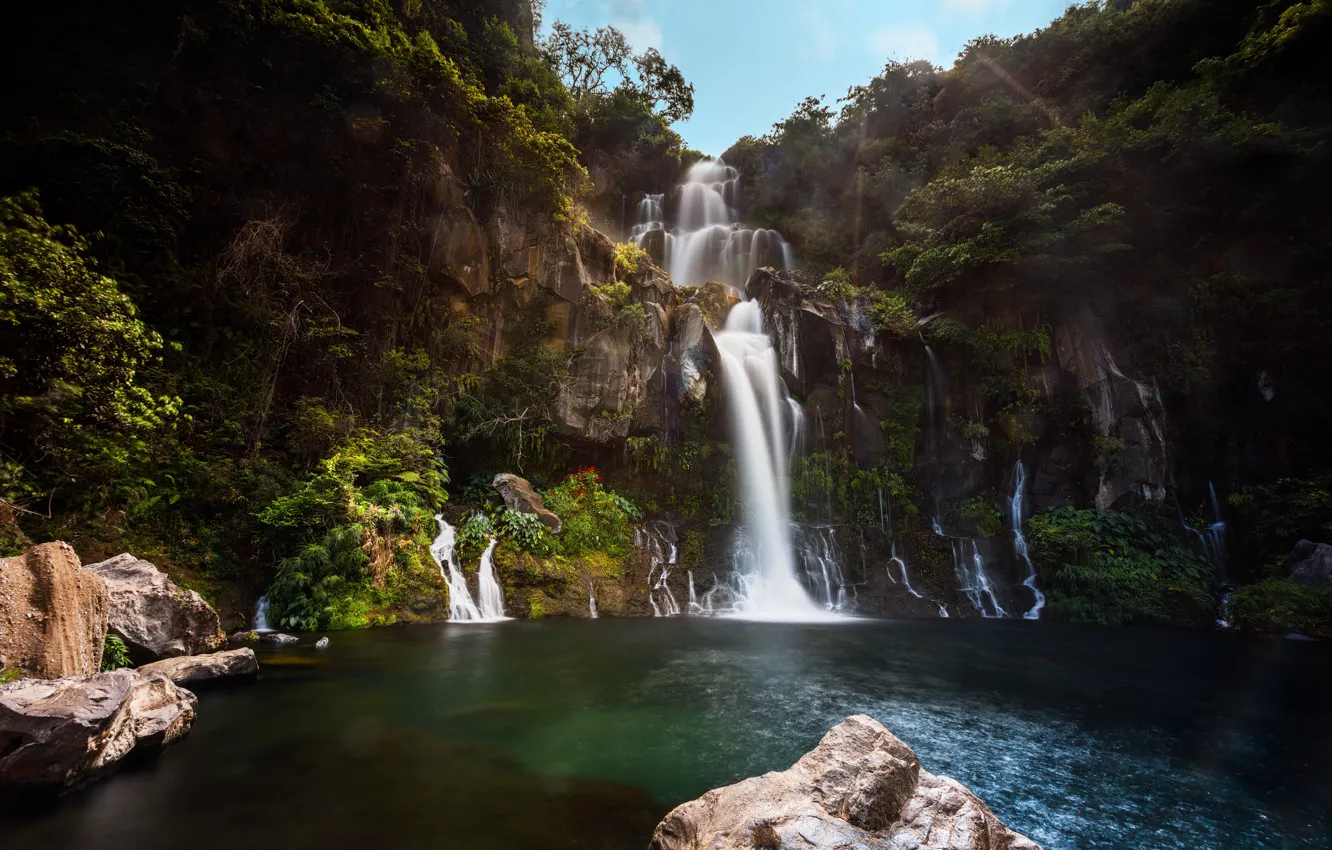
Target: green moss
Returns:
[[1279, 605], [10, 674]]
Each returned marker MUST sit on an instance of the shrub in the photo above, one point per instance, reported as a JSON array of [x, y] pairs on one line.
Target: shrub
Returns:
[[594, 518], [526, 530], [629, 259], [1279, 605], [1111, 568], [891, 314], [115, 654]]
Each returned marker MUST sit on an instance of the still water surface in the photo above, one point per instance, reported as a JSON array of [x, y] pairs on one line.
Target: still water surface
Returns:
[[581, 734]]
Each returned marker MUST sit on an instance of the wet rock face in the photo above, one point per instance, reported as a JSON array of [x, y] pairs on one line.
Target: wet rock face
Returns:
[[53, 613], [155, 617], [860, 787], [1310, 564], [191, 669], [518, 495], [56, 734]]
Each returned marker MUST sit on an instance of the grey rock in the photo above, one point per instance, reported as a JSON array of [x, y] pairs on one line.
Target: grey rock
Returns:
[[53, 613], [860, 788], [1310, 564], [155, 617], [55, 734], [278, 638], [243, 638], [322, 643], [519, 495], [189, 669]]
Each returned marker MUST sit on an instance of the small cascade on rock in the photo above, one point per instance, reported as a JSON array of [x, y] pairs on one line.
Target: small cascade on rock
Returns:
[[968, 564], [461, 607], [591, 600], [766, 582], [695, 608], [492, 598], [895, 558], [708, 242], [820, 561], [261, 616], [1015, 515], [659, 541]]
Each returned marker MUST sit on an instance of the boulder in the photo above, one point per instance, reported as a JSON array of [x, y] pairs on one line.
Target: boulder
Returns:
[[53, 614], [189, 669], [1310, 564], [861, 788], [278, 639], [243, 638], [322, 643], [519, 496], [155, 617], [55, 734]]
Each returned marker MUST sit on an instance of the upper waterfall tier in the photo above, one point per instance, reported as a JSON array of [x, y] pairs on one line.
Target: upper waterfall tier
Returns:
[[707, 242]]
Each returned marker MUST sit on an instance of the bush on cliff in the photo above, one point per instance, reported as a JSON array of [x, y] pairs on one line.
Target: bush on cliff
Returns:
[[1111, 568], [1278, 605]]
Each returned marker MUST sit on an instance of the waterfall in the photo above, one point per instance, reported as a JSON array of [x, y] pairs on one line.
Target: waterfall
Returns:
[[894, 558], [492, 598], [658, 540], [461, 607], [261, 615], [968, 565], [756, 398], [1020, 540], [708, 242], [591, 600]]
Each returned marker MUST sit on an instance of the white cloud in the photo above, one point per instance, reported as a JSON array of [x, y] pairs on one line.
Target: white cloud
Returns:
[[905, 43], [641, 33]]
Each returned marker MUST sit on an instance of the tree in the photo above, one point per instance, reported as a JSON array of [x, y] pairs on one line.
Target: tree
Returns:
[[589, 62]]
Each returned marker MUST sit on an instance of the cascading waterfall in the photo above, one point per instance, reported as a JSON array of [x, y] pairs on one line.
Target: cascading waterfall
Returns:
[[968, 564], [1015, 516], [591, 600], [767, 586], [491, 597], [658, 540], [261, 615], [461, 607], [821, 563], [708, 242]]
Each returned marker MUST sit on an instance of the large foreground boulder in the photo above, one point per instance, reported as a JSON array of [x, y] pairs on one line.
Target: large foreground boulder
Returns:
[[860, 788], [192, 669], [53, 614], [519, 495], [1310, 564], [55, 734], [155, 617]]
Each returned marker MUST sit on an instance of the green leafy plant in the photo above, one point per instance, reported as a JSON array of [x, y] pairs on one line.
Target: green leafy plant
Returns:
[[595, 519], [10, 674], [526, 530], [115, 654], [1278, 605]]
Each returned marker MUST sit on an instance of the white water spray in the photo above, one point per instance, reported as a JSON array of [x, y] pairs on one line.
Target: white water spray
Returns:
[[1015, 517]]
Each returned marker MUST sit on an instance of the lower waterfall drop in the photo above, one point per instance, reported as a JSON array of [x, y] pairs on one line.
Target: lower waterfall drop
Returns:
[[1020, 540], [492, 598], [261, 615], [767, 586]]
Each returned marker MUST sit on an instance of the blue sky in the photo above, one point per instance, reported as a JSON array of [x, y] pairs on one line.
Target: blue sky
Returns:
[[752, 61]]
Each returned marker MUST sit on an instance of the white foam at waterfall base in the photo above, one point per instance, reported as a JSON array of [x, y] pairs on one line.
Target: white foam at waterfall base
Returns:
[[766, 582]]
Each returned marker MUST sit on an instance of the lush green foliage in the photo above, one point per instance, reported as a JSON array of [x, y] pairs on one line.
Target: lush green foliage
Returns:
[[1111, 567], [1278, 605], [73, 405], [115, 654], [595, 519]]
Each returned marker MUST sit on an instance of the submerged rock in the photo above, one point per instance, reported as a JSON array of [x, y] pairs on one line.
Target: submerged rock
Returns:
[[278, 638], [190, 669], [53, 613], [1310, 564], [861, 788], [154, 616], [56, 734], [519, 496], [322, 643]]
